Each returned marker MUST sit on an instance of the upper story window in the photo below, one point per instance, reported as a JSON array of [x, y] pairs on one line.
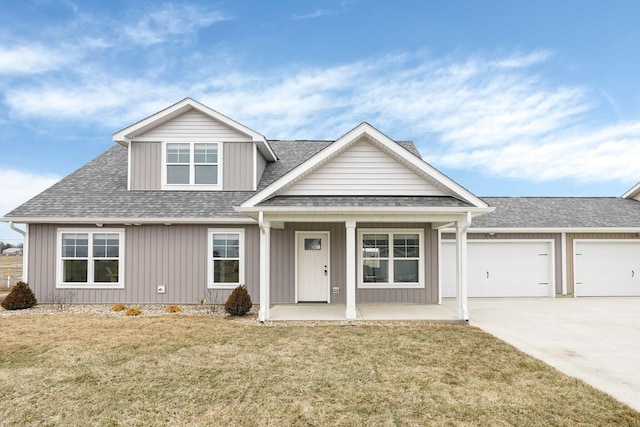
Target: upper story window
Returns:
[[191, 165]]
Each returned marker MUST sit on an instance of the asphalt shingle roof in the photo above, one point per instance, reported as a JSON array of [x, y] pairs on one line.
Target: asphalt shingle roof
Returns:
[[559, 212]]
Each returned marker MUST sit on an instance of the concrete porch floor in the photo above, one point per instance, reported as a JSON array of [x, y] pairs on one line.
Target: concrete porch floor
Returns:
[[332, 312]]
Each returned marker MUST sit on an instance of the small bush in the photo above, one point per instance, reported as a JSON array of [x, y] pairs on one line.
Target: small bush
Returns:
[[19, 298], [174, 309], [118, 307], [239, 302], [133, 311]]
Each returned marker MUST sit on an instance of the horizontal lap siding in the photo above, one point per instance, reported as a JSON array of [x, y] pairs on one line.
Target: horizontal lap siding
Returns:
[[573, 236], [193, 126], [174, 256], [146, 164], [364, 169], [557, 246]]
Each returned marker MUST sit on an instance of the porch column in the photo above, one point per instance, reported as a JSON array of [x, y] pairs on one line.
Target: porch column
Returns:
[[461, 268], [265, 270], [351, 270]]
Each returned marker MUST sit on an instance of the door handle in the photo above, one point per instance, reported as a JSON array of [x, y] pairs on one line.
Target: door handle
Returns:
[[487, 274], [325, 270], [633, 273]]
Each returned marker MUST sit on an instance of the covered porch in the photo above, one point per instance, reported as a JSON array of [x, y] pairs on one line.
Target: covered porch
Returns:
[[433, 313]]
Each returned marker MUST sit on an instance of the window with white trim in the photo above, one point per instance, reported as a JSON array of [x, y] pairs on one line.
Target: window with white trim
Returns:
[[391, 258], [226, 258], [90, 258], [191, 165]]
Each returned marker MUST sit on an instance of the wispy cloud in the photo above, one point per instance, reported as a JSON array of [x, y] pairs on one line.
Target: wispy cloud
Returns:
[[316, 14], [29, 59], [24, 185], [171, 21]]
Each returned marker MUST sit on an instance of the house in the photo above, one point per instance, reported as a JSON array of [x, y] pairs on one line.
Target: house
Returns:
[[189, 201], [12, 252]]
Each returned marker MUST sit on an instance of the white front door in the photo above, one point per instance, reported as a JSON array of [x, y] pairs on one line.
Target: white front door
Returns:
[[313, 267]]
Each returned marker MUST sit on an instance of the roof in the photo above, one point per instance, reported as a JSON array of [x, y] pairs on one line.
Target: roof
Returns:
[[560, 212], [366, 201], [98, 191]]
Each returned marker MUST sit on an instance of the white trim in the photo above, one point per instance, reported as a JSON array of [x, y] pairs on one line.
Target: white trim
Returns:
[[255, 167], [91, 284], [129, 148], [328, 246], [549, 230], [632, 191], [25, 255], [392, 285], [210, 260], [563, 246], [351, 270], [364, 130], [129, 220], [192, 186]]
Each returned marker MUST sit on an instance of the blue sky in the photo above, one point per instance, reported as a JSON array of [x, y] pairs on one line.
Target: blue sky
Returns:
[[506, 97]]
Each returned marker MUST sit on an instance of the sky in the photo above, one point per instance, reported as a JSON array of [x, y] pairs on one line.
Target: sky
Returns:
[[508, 98]]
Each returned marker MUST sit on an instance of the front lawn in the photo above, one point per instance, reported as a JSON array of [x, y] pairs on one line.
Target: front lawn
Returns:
[[83, 369]]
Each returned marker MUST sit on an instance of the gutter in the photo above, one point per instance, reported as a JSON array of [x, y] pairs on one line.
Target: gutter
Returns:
[[25, 250]]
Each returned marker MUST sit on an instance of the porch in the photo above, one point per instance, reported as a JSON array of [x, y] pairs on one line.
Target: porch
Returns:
[[436, 313]]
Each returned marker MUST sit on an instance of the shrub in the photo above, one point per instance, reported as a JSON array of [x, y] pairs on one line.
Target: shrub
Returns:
[[19, 298], [239, 302], [133, 311], [118, 307], [174, 309]]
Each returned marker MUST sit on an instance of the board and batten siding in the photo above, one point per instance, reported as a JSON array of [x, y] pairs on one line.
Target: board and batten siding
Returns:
[[557, 247], [237, 166], [146, 165], [193, 126], [283, 254], [174, 256], [363, 169], [573, 236]]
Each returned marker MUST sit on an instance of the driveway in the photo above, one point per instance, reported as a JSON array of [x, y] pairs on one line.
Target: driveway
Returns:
[[594, 339]]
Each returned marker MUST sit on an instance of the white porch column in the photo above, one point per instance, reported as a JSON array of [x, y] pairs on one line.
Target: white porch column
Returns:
[[265, 270], [351, 270], [461, 267]]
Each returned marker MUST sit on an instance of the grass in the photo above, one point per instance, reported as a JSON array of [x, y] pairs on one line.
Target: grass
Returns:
[[72, 369]]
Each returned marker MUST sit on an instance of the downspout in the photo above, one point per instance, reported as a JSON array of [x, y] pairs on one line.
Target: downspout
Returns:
[[25, 249]]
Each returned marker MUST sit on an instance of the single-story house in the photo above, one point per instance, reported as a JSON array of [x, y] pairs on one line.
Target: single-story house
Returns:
[[189, 201], [12, 252]]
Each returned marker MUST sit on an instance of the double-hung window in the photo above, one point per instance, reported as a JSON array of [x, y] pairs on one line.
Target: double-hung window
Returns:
[[391, 259], [191, 164], [226, 258], [90, 258]]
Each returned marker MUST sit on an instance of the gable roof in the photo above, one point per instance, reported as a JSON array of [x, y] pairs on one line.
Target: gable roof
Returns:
[[381, 141], [560, 213], [125, 135], [633, 192]]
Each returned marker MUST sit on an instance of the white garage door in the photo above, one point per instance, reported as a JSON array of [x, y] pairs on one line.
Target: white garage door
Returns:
[[501, 268], [607, 267]]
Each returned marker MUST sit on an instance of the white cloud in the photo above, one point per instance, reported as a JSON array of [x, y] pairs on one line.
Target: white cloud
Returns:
[[22, 187], [31, 59], [169, 21], [492, 114]]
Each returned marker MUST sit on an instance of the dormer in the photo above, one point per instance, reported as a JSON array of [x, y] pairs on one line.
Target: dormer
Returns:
[[191, 147]]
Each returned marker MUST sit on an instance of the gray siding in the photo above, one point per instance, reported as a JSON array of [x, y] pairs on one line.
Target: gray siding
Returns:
[[237, 166], [174, 256], [146, 165], [193, 125], [557, 246], [283, 268]]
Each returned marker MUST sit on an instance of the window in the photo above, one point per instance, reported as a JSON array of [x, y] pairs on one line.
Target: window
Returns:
[[90, 258], [226, 258], [391, 259], [189, 164]]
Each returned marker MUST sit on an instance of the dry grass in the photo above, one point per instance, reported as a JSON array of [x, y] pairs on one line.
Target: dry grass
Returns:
[[186, 370]]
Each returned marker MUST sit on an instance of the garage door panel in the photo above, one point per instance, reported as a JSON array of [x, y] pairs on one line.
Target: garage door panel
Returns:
[[501, 269], [607, 268]]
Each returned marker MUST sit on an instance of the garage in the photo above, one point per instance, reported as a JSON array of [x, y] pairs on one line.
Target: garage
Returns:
[[607, 267], [501, 268]]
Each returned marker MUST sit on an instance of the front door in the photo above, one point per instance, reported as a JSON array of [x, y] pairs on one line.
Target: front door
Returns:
[[313, 267]]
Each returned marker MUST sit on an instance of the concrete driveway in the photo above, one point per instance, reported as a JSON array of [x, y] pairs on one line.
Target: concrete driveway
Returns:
[[594, 339]]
